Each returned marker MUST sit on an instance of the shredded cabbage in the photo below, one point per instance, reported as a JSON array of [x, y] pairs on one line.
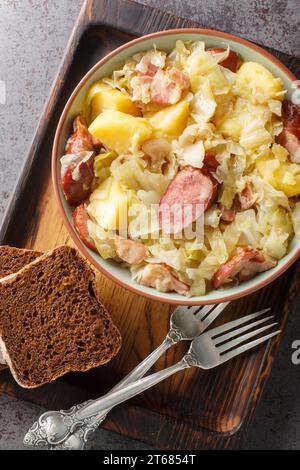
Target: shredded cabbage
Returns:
[[161, 156], [212, 216], [140, 87], [208, 266], [134, 176], [167, 253], [226, 123], [103, 239], [143, 222], [198, 286], [200, 62], [148, 197], [189, 148], [296, 219], [203, 105], [150, 58]]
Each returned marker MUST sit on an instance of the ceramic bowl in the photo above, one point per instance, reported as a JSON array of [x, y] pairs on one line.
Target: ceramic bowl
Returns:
[[164, 40]]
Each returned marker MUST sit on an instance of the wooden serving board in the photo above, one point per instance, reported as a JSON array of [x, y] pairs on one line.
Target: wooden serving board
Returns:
[[194, 409]]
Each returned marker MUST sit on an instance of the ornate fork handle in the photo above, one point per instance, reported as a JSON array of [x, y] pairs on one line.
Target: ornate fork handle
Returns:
[[61, 431], [79, 438], [61, 424]]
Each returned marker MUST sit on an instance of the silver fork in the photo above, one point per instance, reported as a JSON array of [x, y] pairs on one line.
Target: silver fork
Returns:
[[207, 351], [56, 428]]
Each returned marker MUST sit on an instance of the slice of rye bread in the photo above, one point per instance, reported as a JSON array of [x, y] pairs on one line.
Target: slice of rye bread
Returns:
[[51, 320], [11, 260]]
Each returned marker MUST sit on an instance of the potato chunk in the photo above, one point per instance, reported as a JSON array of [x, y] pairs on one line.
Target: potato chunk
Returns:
[[257, 82], [244, 121], [101, 96], [170, 121], [284, 176], [119, 131]]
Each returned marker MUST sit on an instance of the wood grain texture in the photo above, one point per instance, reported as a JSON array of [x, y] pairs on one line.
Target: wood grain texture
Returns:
[[194, 409]]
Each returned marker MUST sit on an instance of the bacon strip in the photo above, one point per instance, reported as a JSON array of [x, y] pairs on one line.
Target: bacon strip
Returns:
[[145, 67], [228, 215], [130, 251], [162, 278], [167, 86], [246, 198]]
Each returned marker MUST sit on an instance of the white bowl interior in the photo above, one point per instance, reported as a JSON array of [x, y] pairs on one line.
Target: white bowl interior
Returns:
[[167, 43]]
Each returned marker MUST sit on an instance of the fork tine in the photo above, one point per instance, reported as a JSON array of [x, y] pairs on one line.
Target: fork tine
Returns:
[[237, 332], [235, 352], [210, 309], [234, 323], [213, 314], [200, 310], [241, 339], [206, 309], [196, 309]]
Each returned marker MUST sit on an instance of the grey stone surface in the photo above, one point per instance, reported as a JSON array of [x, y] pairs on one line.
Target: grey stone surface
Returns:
[[273, 23], [33, 37], [17, 416]]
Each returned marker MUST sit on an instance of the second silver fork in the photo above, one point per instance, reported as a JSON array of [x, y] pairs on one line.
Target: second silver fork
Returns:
[[186, 323]]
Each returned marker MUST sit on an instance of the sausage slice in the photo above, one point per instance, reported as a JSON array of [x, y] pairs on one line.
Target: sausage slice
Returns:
[[81, 140], [77, 176], [290, 135], [247, 262], [231, 62], [233, 266], [77, 172], [191, 192], [80, 219], [259, 264]]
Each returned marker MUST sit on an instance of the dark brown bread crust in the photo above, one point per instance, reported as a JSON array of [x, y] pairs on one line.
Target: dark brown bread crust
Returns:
[[13, 259], [52, 321]]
